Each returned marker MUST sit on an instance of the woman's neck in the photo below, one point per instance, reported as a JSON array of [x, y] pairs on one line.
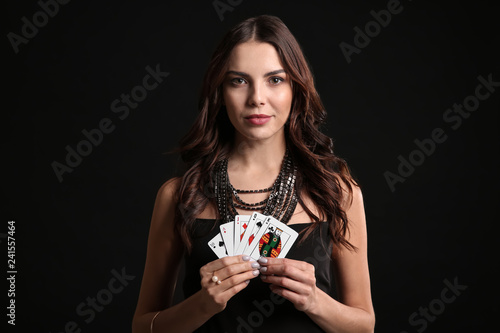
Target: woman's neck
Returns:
[[258, 155]]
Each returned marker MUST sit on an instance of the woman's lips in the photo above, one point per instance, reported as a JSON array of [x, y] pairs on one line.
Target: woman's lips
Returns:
[[258, 119]]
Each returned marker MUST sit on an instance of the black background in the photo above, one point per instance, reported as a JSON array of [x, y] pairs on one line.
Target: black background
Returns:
[[439, 224]]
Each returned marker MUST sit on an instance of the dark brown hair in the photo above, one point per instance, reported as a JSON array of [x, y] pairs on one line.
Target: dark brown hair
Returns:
[[320, 172]]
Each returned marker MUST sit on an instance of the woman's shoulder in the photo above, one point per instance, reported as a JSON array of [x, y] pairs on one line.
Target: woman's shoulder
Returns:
[[168, 190], [351, 192], [168, 194]]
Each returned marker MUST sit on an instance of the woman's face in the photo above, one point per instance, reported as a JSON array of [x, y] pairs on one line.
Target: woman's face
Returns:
[[257, 92]]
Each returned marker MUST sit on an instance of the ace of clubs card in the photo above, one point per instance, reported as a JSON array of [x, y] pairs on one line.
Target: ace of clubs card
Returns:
[[227, 232], [217, 245]]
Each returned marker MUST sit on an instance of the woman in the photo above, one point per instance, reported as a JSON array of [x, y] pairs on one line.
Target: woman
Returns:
[[258, 126]]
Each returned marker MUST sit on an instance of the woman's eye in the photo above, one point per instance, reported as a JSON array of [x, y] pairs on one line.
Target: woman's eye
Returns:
[[238, 81], [276, 80]]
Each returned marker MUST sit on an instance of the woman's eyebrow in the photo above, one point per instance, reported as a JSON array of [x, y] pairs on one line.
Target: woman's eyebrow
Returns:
[[278, 71]]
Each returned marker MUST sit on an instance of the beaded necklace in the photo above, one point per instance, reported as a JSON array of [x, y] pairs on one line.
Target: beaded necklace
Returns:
[[280, 204]]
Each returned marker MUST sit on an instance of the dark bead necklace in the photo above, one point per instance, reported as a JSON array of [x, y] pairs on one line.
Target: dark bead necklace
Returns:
[[280, 204]]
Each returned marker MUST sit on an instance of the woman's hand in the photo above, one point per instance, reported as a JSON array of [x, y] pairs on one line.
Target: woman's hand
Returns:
[[232, 275], [292, 279]]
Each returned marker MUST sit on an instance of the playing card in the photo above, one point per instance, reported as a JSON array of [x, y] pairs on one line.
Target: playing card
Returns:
[[254, 225], [273, 240], [217, 245], [227, 233], [240, 225]]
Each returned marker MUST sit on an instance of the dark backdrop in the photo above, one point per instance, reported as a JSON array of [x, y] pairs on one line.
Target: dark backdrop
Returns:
[[432, 228]]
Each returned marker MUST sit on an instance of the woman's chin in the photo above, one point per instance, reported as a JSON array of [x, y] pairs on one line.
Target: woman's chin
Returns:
[[260, 134]]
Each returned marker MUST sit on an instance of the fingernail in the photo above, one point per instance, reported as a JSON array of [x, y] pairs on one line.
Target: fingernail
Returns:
[[263, 260], [256, 272], [255, 265], [263, 269], [246, 258], [247, 281], [263, 277]]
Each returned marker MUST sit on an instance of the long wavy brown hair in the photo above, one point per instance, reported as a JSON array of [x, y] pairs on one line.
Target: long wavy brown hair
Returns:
[[320, 172]]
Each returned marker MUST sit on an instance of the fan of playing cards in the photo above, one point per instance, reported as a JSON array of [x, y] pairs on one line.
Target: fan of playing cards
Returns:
[[255, 235]]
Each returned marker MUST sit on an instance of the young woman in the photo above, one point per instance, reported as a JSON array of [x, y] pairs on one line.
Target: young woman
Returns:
[[256, 146]]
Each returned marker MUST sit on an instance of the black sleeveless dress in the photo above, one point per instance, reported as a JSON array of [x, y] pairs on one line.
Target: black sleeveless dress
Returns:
[[256, 308]]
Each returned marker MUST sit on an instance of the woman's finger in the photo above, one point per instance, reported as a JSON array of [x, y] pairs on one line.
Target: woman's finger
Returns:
[[302, 265], [228, 284], [208, 271], [236, 265], [295, 269], [226, 280], [229, 266], [287, 283], [223, 262], [287, 271], [235, 269]]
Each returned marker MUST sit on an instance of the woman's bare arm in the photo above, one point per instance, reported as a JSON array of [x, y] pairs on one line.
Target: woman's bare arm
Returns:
[[354, 310], [164, 255], [295, 280]]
